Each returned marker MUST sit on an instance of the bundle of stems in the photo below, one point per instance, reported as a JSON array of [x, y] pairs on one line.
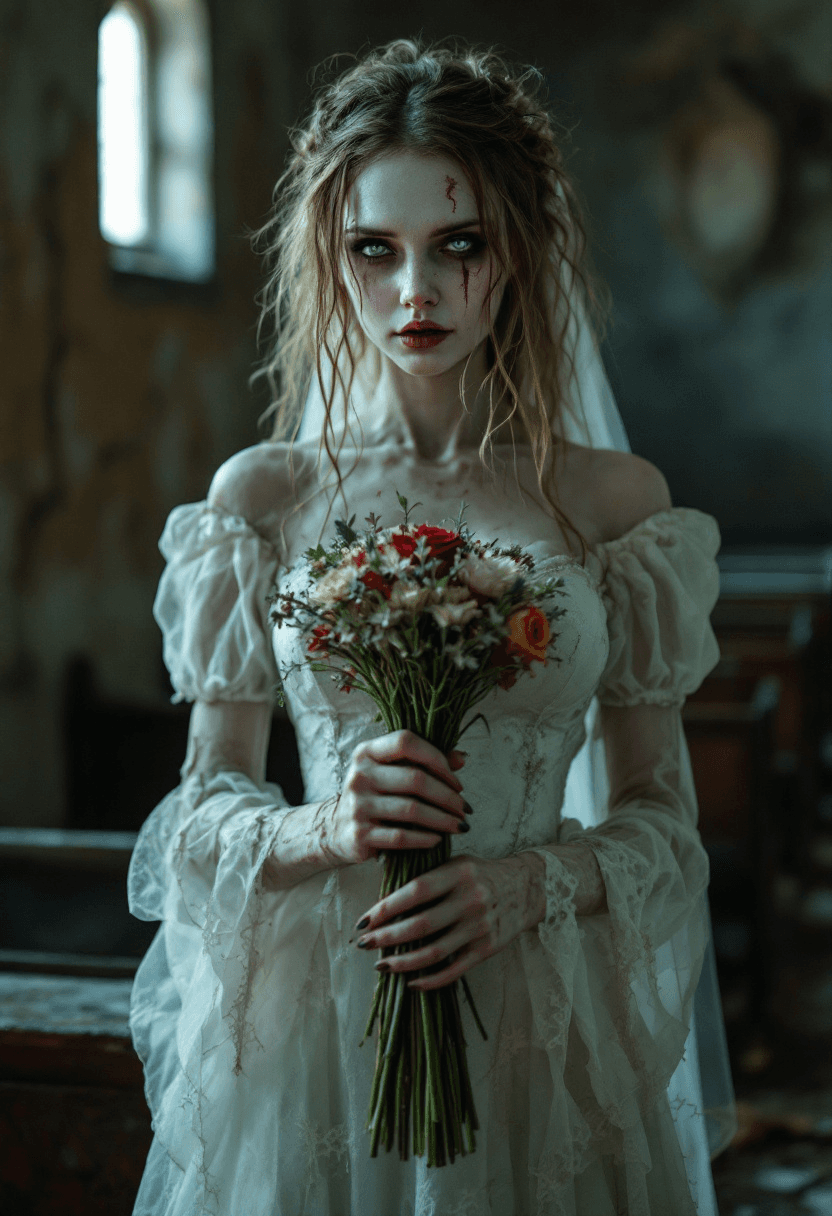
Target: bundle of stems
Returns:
[[421, 1069], [425, 669]]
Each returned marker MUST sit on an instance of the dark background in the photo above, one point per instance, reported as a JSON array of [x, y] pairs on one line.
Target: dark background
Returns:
[[119, 396], [702, 143]]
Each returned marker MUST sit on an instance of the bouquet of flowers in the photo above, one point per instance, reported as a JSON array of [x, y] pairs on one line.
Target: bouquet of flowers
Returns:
[[426, 621]]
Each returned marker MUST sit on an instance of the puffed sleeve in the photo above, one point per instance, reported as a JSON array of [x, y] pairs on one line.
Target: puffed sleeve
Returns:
[[660, 585], [211, 606], [620, 983], [199, 860]]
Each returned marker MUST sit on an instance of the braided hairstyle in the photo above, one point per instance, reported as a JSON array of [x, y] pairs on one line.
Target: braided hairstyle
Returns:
[[472, 107]]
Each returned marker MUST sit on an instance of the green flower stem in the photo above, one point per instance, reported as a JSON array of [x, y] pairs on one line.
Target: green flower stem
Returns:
[[377, 995], [402, 1091], [473, 1008], [420, 1091]]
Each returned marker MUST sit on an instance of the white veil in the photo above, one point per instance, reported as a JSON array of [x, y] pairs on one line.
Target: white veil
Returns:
[[703, 1078], [702, 1082]]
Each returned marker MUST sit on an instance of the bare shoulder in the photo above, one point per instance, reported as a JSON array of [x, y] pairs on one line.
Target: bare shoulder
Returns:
[[257, 480], [614, 491]]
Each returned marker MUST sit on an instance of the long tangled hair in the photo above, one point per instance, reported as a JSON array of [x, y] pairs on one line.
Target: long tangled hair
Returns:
[[472, 107]]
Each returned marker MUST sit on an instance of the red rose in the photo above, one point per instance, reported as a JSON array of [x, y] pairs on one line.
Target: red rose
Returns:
[[359, 558], [442, 543], [318, 640], [376, 582], [403, 544]]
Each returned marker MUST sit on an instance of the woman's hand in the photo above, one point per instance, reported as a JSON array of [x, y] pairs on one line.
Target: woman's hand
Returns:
[[399, 792], [480, 906]]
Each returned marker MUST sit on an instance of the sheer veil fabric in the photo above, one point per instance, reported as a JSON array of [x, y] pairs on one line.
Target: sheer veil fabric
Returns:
[[704, 1075]]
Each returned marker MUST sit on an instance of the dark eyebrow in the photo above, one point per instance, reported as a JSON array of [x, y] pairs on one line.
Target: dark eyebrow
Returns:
[[436, 232]]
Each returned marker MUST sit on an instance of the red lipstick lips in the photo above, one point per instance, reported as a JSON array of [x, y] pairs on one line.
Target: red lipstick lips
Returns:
[[420, 335]]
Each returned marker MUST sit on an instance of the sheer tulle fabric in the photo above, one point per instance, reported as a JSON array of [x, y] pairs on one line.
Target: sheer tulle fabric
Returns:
[[250, 1005], [211, 606]]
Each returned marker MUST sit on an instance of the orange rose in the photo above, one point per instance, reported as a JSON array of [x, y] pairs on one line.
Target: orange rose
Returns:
[[528, 634], [528, 637]]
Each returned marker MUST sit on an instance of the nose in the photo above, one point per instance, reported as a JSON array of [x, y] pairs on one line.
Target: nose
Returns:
[[418, 289]]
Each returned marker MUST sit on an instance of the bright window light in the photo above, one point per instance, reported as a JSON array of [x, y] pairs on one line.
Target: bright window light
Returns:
[[122, 128]]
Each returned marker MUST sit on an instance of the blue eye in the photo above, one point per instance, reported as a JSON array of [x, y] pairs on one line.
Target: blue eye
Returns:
[[475, 245], [363, 247]]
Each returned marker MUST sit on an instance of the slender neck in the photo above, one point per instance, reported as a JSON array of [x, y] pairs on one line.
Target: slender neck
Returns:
[[425, 414]]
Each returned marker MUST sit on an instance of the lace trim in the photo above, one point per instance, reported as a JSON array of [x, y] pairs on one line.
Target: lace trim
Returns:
[[645, 696]]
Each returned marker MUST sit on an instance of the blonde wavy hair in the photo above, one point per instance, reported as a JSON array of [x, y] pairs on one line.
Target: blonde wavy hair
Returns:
[[471, 106]]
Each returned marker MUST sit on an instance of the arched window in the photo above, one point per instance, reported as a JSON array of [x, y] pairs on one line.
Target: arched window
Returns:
[[155, 129], [122, 127]]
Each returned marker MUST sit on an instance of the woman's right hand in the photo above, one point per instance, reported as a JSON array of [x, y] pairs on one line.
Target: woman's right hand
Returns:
[[399, 792]]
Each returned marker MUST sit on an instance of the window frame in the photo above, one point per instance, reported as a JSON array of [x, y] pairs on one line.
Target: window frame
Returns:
[[139, 266]]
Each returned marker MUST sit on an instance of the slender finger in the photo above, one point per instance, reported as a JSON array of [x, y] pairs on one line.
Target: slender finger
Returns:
[[422, 890], [401, 838], [416, 783], [467, 958], [445, 918], [412, 812], [405, 745]]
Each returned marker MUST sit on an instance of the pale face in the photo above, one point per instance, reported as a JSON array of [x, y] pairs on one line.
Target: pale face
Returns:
[[417, 253]]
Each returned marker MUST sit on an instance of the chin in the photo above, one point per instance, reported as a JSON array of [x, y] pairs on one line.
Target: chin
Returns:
[[428, 362]]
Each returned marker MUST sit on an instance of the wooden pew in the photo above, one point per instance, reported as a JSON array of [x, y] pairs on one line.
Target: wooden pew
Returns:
[[730, 742]]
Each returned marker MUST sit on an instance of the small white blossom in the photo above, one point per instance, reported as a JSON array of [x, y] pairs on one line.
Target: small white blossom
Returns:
[[334, 586], [409, 596], [457, 654], [389, 560], [491, 576], [454, 614], [385, 617], [454, 595]]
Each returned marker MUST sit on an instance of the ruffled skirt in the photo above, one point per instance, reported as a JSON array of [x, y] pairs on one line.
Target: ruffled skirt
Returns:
[[259, 1106]]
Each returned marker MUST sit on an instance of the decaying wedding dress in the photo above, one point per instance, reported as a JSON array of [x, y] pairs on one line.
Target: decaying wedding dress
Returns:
[[250, 1005]]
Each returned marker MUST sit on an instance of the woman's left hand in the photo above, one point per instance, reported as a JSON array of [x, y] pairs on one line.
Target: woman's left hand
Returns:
[[480, 907]]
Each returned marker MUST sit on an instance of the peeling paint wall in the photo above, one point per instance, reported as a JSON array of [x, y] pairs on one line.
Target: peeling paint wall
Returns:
[[117, 400], [117, 403]]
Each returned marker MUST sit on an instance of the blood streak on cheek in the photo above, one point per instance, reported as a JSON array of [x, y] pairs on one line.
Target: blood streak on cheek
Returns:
[[449, 191], [466, 274]]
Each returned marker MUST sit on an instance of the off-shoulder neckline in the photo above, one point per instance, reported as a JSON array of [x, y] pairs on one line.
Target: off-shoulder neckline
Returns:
[[649, 523]]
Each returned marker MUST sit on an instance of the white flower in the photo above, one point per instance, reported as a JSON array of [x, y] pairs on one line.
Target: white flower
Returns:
[[409, 596], [457, 653], [385, 618], [453, 595], [334, 586], [491, 576], [454, 614], [389, 560]]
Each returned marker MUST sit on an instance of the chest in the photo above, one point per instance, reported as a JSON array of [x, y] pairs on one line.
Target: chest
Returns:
[[505, 504]]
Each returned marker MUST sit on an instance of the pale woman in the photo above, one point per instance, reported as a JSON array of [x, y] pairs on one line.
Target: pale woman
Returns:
[[423, 232]]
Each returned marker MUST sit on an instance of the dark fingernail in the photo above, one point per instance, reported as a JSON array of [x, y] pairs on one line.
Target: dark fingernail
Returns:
[[382, 965], [362, 924], [462, 826], [363, 945], [469, 810]]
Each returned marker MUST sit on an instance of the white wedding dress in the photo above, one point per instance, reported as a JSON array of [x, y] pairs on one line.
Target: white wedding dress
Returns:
[[250, 1005]]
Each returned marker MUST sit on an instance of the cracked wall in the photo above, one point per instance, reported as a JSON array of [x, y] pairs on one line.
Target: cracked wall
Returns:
[[117, 399]]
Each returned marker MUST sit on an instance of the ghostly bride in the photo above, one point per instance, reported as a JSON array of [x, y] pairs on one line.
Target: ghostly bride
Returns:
[[434, 336]]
